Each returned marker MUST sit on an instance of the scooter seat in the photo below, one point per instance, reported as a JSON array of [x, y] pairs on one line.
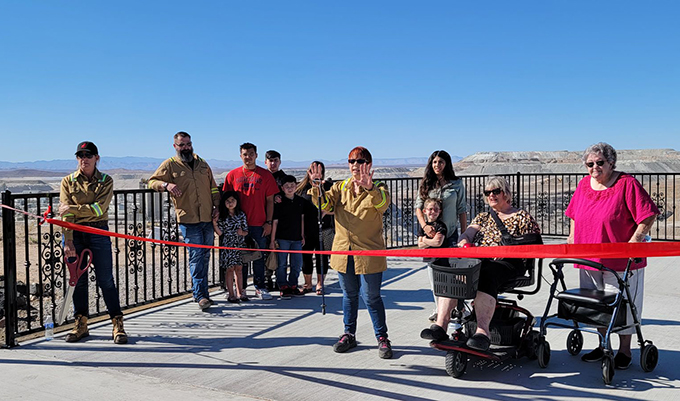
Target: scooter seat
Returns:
[[584, 296]]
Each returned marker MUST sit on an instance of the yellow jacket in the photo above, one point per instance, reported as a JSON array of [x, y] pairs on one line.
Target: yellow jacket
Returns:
[[199, 190], [88, 200], [358, 223]]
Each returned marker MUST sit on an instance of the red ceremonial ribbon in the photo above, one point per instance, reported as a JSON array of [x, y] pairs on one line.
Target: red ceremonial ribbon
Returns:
[[610, 250]]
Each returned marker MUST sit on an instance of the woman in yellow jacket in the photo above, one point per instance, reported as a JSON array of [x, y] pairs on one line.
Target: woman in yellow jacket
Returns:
[[358, 203]]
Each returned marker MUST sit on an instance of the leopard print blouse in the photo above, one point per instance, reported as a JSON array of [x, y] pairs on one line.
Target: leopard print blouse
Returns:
[[518, 224]]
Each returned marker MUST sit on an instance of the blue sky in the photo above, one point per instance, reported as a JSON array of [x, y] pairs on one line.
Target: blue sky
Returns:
[[313, 79]]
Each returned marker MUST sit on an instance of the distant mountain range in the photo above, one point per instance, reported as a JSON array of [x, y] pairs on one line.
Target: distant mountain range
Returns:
[[150, 163]]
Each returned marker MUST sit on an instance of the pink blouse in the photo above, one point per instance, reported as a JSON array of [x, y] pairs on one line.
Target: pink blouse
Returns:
[[611, 215]]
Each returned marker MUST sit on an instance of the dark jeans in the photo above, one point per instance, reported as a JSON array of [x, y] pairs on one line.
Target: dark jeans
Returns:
[[369, 285], [258, 265], [103, 267], [199, 258]]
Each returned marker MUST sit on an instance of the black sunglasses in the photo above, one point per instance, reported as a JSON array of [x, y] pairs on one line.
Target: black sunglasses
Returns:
[[496, 191], [599, 163], [357, 161], [85, 155]]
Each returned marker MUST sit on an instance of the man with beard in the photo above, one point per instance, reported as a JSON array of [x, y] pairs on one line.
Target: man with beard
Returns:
[[191, 185]]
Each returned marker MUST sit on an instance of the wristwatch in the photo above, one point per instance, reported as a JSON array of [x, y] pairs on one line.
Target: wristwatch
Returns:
[[165, 186], [268, 222]]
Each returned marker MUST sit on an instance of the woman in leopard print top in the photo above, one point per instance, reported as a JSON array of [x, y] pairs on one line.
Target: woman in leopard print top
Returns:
[[483, 231]]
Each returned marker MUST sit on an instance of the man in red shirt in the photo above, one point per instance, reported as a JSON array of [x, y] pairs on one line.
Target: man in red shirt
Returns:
[[257, 187]]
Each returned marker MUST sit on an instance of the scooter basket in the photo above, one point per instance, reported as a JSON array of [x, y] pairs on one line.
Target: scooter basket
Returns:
[[459, 280]]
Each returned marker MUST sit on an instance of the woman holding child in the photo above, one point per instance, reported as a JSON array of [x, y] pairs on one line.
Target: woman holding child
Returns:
[[359, 204], [440, 182]]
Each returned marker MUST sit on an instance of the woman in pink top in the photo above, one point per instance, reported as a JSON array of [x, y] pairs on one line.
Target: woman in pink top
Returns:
[[610, 206]]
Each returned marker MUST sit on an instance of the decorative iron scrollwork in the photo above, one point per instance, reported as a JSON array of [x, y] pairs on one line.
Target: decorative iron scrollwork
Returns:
[[52, 255], [659, 199]]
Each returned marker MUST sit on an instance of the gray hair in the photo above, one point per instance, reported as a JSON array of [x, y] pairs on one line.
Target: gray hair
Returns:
[[604, 149], [498, 182]]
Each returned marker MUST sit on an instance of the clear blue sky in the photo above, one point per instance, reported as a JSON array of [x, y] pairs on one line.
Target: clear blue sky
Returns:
[[312, 79]]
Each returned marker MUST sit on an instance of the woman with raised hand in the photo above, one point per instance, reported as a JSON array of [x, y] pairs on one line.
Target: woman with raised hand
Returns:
[[358, 203]]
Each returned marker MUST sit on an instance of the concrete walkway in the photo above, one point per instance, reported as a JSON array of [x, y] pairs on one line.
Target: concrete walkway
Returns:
[[281, 350]]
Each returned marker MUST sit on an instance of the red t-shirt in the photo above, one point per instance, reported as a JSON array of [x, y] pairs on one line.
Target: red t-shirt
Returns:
[[254, 186]]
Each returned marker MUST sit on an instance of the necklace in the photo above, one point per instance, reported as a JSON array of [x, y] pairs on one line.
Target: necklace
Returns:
[[246, 175]]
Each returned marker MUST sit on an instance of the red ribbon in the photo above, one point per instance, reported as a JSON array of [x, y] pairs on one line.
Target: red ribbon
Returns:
[[611, 250]]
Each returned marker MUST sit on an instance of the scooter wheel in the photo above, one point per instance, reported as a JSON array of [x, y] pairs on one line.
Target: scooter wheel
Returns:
[[608, 369], [456, 363], [575, 342], [649, 357], [543, 354], [531, 343]]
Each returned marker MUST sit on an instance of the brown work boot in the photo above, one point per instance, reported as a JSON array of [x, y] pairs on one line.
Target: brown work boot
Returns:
[[119, 336], [79, 330]]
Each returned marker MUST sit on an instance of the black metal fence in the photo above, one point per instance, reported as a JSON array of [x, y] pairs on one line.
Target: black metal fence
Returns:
[[35, 275]]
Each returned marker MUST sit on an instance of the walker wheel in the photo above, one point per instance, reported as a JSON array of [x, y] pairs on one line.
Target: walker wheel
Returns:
[[649, 357], [608, 369], [543, 353], [575, 342], [456, 363]]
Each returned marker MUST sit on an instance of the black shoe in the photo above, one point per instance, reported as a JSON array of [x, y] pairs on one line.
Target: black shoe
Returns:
[[434, 332], [346, 342], [384, 348], [285, 293], [593, 356], [622, 361], [297, 292], [479, 341]]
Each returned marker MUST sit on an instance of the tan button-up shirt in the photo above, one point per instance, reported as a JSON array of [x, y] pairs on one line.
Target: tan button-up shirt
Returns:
[[88, 200], [358, 223], [199, 190]]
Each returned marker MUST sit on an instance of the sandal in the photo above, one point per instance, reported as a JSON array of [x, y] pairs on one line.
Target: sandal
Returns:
[[307, 290], [319, 291], [233, 300]]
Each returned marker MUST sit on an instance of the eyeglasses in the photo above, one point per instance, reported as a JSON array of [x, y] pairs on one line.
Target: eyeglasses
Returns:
[[496, 191], [357, 161], [599, 163], [85, 155]]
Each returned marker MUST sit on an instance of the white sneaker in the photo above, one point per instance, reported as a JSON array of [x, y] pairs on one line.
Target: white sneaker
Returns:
[[264, 294]]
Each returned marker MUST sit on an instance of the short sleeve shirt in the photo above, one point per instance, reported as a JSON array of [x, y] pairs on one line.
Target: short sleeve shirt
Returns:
[[254, 186], [289, 215], [518, 224]]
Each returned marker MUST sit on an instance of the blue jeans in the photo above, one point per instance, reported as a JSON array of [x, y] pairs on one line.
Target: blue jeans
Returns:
[[258, 265], [199, 258], [295, 263], [103, 267], [369, 285]]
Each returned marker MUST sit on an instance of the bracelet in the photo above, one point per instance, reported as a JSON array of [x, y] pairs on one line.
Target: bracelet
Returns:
[[268, 222]]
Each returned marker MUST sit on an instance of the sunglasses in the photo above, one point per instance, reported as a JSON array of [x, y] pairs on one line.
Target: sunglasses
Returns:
[[496, 191], [85, 155], [357, 161], [599, 163]]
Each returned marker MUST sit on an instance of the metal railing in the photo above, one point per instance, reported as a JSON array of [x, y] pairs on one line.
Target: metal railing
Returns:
[[147, 272]]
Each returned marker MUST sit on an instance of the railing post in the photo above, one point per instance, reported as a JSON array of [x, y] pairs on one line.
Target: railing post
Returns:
[[10, 270], [518, 189]]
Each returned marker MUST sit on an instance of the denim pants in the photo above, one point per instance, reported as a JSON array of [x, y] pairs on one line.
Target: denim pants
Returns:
[[369, 285], [295, 263], [258, 265], [103, 267], [199, 258]]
